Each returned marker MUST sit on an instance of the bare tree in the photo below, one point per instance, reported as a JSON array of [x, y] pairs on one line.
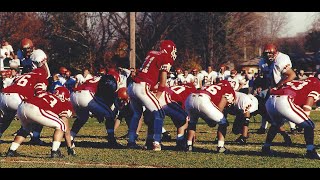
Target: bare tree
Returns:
[[276, 23]]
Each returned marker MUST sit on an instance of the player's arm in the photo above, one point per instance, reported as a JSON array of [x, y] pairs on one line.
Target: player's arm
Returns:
[[162, 83], [290, 75], [307, 107]]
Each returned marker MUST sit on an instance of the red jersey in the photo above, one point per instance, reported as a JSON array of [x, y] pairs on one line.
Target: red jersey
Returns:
[[154, 63], [217, 91], [29, 84], [90, 84], [180, 93], [51, 102], [300, 90]]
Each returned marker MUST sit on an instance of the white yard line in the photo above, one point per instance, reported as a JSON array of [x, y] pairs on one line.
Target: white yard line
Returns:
[[75, 164]]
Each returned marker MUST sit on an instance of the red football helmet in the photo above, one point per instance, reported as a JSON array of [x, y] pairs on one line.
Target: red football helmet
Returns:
[[123, 94], [26, 47], [168, 46], [26, 43], [114, 73], [270, 50], [63, 93]]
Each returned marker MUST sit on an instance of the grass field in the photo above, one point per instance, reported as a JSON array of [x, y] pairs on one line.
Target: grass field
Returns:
[[92, 152]]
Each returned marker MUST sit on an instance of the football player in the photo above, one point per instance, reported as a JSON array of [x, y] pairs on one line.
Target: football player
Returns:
[[209, 103], [47, 109], [155, 69], [293, 101], [97, 95], [23, 87]]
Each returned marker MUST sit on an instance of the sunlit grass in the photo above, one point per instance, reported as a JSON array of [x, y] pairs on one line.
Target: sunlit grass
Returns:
[[92, 152]]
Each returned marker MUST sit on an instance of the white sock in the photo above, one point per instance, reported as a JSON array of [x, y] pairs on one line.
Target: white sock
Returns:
[[189, 143], [14, 146], [55, 145], [220, 143], [163, 130]]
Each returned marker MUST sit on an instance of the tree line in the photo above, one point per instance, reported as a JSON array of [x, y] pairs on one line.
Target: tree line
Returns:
[[75, 39]]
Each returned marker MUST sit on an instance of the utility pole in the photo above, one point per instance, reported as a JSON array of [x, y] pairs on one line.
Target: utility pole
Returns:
[[132, 39]]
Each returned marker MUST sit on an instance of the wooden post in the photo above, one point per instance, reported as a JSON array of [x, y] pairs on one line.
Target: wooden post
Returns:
[[132, 40]]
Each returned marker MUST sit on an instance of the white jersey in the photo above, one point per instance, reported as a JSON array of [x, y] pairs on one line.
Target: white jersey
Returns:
[[246, 102], [212, 76], [225, 75], [188, 79], [281, 64], [198, 80], [235, 82]]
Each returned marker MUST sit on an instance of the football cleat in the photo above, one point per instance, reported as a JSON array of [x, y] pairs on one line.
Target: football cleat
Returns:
[[190, 148], [222, 150], [133, 145], [241, 140], [156, 146], [71, 151], [56, 154], [11, 153], [148, 145], [312, 154]]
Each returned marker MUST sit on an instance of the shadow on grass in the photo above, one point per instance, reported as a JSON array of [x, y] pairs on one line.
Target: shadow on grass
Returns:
[[259, 153]]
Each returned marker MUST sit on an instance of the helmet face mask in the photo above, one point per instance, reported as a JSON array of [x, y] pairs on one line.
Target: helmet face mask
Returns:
[[270, 52], [26, 47]]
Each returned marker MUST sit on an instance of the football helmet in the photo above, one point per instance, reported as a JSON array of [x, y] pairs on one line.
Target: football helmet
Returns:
[[123, 94], [63, 93], [270, 51], [26, 46], [168, 47]]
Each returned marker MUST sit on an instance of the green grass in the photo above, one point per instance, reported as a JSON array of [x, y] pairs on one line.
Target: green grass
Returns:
[[92, 152]]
